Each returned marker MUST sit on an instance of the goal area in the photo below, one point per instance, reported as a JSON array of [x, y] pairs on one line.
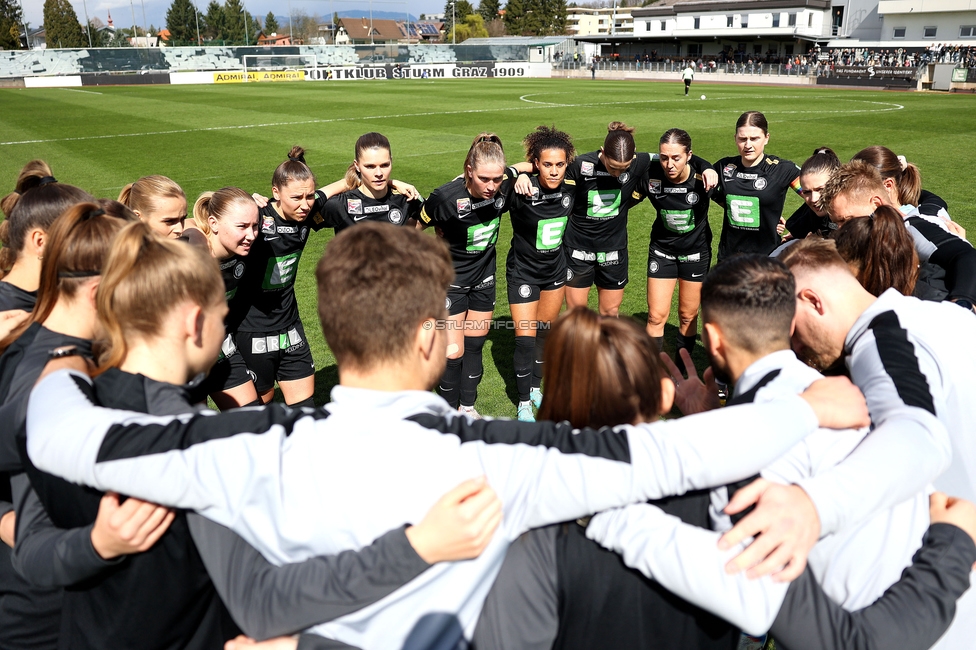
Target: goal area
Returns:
[[277, 62]]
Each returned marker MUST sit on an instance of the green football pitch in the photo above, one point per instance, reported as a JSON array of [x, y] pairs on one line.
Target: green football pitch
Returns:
[[207, 137]]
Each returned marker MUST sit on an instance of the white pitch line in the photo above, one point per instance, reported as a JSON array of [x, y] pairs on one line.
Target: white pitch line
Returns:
[[75, 90], [534, 106]]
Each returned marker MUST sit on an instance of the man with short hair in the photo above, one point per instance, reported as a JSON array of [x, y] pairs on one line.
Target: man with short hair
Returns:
[[748, 307], [299, 483], [913, 360], [856, 189]]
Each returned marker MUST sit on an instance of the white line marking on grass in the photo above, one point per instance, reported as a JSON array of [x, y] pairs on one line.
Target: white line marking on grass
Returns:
[[75, 90], [533, 106]]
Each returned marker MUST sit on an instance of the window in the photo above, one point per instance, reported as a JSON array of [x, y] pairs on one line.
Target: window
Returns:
[[697, 23], [694, 49], [967, 31], [898, 32], [664, 26], [929, 32], [776, 20], [728, 21], [810, 19], [647, 26], [792, 20], [745, 21]]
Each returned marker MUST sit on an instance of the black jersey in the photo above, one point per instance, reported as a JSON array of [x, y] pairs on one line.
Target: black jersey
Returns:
[[805, 221], [269, 276], [599, 217], [232, 270], [469, 226], [349, 208], [12, 297], [753, 199], [538, 225], [682, 212]]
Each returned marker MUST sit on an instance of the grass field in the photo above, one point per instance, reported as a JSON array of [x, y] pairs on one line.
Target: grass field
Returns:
[[207, 137]]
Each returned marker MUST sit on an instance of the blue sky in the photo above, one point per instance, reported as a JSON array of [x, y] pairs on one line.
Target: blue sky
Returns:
[[156, 9]]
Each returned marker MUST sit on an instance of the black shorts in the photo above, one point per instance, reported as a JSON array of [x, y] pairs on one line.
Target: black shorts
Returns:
[[662, 265], [480, 297], [687, 83], [271, 356], [520, 293], [230, 371], [606, 270]]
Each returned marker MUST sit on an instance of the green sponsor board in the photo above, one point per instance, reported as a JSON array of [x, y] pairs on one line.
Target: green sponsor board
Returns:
[[743, 211], [549, 234], [483, 235], [603, 204], [281, 271], [678, 220]]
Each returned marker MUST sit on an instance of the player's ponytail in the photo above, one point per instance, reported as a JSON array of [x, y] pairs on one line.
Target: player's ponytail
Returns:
[[293, 169], [823, 161], [600, 372], [879, 251], [38, 200], [907, 178], [142, 197], [144, 277], [485, 150], [201, 212], [619, 144], [548, 138]]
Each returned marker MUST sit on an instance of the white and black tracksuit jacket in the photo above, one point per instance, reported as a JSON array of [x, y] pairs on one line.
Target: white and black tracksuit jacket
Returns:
[[297, 484]]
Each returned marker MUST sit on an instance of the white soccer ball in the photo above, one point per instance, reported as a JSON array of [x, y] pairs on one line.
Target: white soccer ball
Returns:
[[703, 96]]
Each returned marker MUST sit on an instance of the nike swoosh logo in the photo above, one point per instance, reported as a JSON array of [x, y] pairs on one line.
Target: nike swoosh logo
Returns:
[[556, 284], [697, 275], [360, 218], [525, 375], [621, 282], [473, 376]]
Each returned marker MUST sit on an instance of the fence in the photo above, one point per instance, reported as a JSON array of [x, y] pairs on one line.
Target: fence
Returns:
[[31, 63]]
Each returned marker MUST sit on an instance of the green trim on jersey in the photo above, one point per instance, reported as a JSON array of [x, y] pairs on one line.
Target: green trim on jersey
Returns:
[[744, 212], [603, 204], [549, 233], [483, 235]]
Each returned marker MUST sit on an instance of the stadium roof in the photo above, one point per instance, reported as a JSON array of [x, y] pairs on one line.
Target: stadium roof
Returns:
[[530, 41]]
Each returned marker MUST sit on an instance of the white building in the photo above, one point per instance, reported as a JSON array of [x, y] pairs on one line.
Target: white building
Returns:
[[932, 21], [584, 21]]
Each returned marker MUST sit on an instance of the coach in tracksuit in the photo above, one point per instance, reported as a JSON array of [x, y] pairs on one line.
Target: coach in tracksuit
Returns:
[[362, 468], [855, 566]]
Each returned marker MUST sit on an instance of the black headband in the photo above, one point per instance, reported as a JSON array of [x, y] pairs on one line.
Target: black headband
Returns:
[[47, 180]]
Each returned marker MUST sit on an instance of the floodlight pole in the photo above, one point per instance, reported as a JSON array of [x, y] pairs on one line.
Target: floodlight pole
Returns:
[[291, 36], [133, 8], [197, 13], [144, 28], [247, 27], [371, 22], [87, 22], [453, 25]]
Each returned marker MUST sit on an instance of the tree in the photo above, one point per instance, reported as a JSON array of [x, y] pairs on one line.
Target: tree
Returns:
[[181, 21], [62, 26], [99, 37], [270, 23], [472, 27], [216, 22], [489, 10], [303, 27], [515, 17], [552, 17], [121, 38], [10, 21], [462, 9], [496, 28], [234, 17]]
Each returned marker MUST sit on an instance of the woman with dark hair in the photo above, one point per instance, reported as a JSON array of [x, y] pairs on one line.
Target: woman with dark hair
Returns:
[[596, 237], [30, 209], [811, 217], [752, 190], [880, 251], [680, 249], [467, 214], [536, 265]]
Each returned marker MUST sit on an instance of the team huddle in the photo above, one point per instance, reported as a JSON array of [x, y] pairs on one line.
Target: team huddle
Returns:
[[816, 489]]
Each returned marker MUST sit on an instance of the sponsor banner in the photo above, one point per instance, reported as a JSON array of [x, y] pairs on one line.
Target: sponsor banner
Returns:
[[125, 79], [267, 75], [67, 81], [483, 70], [870, 76], [880, 82]]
